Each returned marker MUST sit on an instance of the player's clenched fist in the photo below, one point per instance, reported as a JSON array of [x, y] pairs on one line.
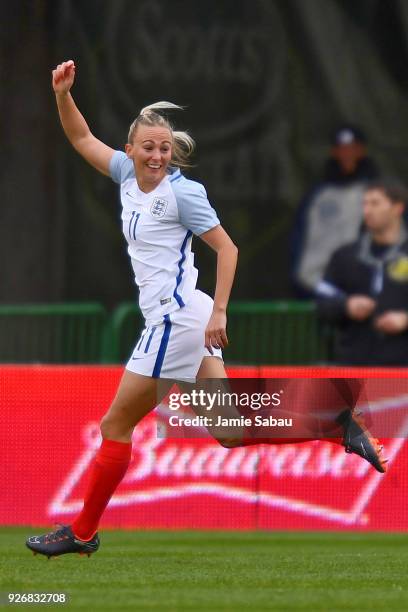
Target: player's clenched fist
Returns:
[[63, 77]]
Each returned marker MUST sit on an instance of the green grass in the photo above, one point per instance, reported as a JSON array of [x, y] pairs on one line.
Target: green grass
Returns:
[[216, 570]]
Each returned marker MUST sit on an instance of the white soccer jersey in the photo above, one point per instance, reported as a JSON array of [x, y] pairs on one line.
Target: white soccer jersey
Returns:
[[158, 227]]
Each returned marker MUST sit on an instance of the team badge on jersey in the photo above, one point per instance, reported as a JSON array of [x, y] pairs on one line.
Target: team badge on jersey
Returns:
[[159, 207]]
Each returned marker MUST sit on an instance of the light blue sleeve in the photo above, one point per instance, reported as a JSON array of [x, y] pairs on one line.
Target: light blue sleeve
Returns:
[[195, 211], [121, 167]]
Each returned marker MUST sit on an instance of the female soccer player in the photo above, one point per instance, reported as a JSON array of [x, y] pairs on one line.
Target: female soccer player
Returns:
[[185, 329]]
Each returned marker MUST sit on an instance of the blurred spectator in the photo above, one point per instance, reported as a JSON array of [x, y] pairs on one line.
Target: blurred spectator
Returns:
[[365, 287], [330, 213]]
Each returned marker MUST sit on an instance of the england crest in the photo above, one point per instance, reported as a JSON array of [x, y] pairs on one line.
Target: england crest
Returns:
[[159, 207]]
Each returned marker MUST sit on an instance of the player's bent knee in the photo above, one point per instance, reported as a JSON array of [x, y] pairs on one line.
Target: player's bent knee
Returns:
[[113, 429], [106, 426]]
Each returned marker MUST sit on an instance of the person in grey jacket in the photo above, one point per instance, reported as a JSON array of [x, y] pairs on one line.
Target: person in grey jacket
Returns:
[[364, 292]]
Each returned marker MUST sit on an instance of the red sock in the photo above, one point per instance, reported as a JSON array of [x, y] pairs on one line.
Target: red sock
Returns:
[[109, 467]]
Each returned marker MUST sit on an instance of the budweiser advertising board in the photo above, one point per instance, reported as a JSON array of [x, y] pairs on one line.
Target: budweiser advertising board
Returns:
[[49, 424]]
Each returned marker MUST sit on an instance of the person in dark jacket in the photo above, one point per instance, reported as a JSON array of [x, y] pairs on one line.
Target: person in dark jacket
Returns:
[[329, 215], [364, 291]]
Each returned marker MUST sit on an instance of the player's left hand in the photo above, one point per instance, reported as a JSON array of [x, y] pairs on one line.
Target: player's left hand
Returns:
[[215, 333], [392, 322]]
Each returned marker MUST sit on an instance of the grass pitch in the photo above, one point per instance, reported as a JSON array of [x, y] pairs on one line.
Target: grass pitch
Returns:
[[215, 570]]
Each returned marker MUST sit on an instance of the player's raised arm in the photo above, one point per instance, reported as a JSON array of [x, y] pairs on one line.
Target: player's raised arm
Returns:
[[75, 127]]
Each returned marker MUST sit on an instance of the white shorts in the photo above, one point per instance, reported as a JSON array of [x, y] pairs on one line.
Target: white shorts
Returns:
[[174, 348]]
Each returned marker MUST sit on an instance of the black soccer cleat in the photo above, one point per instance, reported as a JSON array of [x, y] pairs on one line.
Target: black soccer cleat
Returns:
[[60, 542], [357, 439]]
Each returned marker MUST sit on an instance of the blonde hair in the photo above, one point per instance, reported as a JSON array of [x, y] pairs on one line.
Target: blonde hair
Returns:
[[183, 144]]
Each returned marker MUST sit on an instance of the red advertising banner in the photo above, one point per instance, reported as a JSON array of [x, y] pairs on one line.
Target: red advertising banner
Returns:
[[49, 423]]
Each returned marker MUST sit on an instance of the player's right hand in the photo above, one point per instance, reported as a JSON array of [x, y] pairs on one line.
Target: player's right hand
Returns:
[[63, 77]]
